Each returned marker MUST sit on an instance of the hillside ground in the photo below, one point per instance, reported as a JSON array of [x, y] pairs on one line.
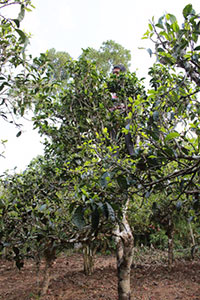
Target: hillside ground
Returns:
[[151, 279]]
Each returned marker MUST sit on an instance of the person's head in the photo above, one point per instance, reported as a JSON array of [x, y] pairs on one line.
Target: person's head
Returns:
[[118, 68]]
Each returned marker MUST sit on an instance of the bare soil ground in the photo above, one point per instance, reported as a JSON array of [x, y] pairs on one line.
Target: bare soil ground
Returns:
[[151, 279]]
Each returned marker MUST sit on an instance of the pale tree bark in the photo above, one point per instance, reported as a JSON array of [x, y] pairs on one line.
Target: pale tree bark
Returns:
[[170, 234], [124, 254], [193, 246], [192, 234]]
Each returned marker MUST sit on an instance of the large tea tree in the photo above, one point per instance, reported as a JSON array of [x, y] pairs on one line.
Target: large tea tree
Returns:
[[87, 134], [78, 121]]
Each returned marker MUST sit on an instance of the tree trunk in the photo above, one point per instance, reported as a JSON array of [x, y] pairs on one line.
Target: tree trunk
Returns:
[[88, 259], [192, 234], [193, 246], [46, 279], [124, 256], [49, 255], [170, 234]]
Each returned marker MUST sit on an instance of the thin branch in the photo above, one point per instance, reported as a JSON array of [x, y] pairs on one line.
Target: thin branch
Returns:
[[187, 171]]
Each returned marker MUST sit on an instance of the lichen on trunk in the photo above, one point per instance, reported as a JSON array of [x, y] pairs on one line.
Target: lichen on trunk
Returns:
[[124, 254]]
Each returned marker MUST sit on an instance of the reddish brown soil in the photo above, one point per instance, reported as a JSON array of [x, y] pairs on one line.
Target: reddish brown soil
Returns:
[[150, 280]]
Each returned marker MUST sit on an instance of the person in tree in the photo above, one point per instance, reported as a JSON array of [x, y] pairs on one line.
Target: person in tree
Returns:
[[117, 69]]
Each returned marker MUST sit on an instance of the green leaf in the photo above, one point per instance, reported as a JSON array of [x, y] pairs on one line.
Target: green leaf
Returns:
[[122, 182], [160, 22], [104, 179], [178, 205], [166, 60], [150, 27], [187, 10], [154, 207], [160, 26], [95, 218], [156, 115], [3, 85], [43, 207], [111, 212], [78, 217], [103, 208], [168, 151], [185, 150], [190, 219], [149, 51], [2, 204], [160, 50], [171, 136], [147, 194], [16, 22], [19, 133], [171, 17], [175, 27], [21, 14], [22, 35], [72, 206], [154, 134]]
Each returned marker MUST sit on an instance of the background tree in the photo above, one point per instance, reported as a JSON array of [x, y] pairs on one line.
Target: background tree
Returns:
[[34, 216], [178, 47], [108, 55], [58, 61]]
